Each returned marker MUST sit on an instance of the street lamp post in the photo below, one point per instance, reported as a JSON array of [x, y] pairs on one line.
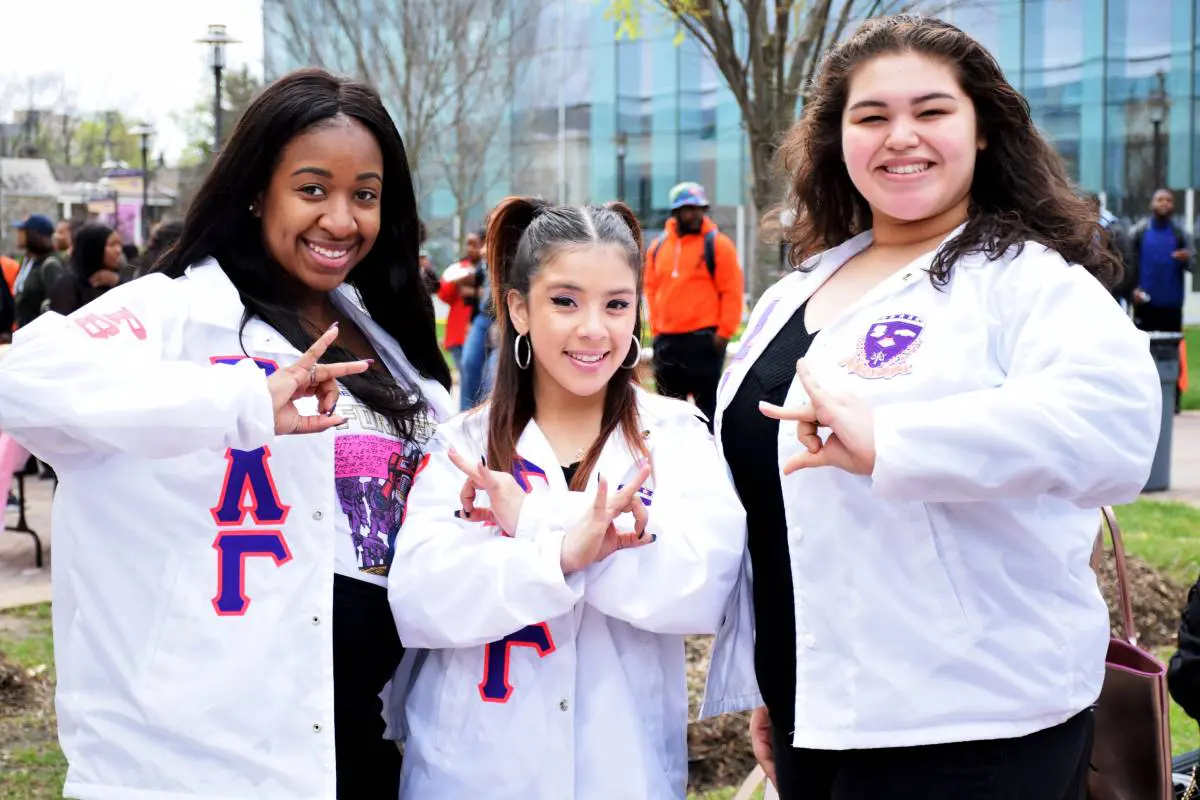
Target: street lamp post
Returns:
[[1157, 105], [622, 140], [216, 39], [145, 132]]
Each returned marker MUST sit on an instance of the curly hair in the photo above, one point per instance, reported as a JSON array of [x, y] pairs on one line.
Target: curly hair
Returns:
[[1019, 192]]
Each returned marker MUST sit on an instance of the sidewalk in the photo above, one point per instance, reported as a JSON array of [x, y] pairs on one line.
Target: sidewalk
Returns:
[[1185, 461], [22, 584]]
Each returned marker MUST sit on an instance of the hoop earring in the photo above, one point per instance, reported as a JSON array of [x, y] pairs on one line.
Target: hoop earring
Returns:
[[517, 351], [637, 354]]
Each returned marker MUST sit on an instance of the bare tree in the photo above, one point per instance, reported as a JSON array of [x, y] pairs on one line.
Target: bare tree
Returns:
[[445, 68], [767, 52]]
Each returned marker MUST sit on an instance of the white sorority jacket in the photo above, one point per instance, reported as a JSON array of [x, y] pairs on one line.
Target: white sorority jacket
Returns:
[[193, 584], [948, 597], [540, 686]]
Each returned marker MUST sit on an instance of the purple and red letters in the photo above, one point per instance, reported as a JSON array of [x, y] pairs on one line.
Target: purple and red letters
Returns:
[[248, 491]]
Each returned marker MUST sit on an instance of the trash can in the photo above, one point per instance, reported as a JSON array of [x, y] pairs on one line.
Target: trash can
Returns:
[[1165, 349]]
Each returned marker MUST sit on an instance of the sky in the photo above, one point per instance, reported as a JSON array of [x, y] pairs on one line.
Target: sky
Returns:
[[137, 56]]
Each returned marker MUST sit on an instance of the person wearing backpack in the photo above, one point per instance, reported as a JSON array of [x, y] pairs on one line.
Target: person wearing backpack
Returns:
[[694, 295], [40, 270]]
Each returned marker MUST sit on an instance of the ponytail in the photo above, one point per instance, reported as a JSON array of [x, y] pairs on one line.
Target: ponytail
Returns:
[[635, 228], [506, 225]]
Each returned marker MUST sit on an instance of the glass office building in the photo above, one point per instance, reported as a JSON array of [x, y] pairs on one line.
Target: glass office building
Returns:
[[589, 118]]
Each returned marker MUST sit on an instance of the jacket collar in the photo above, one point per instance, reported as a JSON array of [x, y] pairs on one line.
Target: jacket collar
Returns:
[[618, 463], [218, 304]]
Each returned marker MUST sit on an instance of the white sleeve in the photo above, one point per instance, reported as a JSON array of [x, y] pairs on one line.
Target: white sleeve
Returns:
[[108, 379], [681, 582], [1077, 417], [460, 584]]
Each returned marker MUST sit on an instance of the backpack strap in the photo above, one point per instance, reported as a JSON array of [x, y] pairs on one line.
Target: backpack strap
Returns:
[[654, 245], [710, 253]]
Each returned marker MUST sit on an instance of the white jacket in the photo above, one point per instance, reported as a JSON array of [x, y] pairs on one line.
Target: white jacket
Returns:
[[178, 677], [948, 597], [540, 686]]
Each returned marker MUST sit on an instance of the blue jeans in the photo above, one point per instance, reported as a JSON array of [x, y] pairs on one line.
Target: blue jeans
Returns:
[[456, 356], [474, 360]]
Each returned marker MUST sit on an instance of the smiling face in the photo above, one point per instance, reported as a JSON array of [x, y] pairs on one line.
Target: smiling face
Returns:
[[909, 137], [321, 210], [580, 316]]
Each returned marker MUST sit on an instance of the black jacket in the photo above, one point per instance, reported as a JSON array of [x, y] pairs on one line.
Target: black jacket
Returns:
[[1183, 671], [34, 297], [8, 311]]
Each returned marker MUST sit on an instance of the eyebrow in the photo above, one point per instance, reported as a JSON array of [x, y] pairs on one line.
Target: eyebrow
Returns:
[[324, 173], [570, 287], [916, 100]]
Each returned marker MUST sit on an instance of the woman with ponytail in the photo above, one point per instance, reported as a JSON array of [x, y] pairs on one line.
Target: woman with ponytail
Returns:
[[561, 540]]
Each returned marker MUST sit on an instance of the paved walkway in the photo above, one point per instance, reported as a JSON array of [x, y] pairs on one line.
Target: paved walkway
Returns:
[[21, 583]]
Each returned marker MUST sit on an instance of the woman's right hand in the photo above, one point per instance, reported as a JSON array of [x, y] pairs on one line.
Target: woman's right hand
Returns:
[[307, 378], [594, 538], [761, 743]]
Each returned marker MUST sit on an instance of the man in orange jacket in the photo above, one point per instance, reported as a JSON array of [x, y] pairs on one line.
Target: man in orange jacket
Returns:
[[694, 296]]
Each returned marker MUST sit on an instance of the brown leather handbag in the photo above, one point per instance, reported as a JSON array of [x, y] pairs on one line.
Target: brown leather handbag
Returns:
[[1131, 755]]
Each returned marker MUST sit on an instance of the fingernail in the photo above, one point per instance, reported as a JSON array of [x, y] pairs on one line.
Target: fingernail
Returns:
[[369, 361], [654, 537], [483, 460], [458, 513], [334, 325]]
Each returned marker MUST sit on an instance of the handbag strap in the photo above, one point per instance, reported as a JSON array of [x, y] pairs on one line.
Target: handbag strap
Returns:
[[1123, 601]]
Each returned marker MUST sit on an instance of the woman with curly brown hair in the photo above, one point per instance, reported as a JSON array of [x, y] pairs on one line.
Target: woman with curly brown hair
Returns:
[[958, 394]]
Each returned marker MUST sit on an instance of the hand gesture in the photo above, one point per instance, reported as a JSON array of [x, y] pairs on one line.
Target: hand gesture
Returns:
[[105, 278], [503, 491], [851, 442], [307, 378], [594, 538]]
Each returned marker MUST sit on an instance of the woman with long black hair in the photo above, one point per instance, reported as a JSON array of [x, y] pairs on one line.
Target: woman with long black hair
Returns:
[[221, 618], [96, 251]]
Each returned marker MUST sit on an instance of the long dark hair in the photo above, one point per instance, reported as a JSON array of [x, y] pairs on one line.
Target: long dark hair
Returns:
[[219, 224], [524, 233], [1020, 190], [87, 249]]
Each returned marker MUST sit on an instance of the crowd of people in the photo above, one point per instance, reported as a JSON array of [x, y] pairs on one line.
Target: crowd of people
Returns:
[[288, 565]]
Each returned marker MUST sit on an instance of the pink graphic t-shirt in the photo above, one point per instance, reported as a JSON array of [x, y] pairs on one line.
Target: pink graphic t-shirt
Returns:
[[373, 471]]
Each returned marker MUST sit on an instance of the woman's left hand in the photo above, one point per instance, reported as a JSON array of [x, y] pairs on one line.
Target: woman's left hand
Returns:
[[105, 278], [504, 493], [851, 442]]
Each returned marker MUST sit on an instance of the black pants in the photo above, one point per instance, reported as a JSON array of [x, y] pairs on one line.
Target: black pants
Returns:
[[366, 650], [689, 364], [1161, 318], [1047, 765]]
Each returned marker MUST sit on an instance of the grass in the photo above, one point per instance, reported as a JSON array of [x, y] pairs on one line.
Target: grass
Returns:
[[1166, 535], [33, 766], [1191, 398]]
